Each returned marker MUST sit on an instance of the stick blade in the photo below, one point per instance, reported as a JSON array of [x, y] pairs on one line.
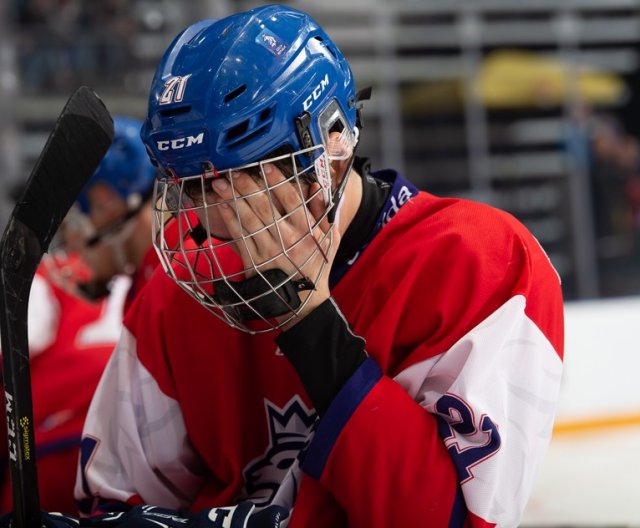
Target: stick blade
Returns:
[[78, 142]]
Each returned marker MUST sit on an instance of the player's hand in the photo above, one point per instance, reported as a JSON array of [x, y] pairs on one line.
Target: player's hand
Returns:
[[138, 516], [242, 514], [277, 234], [153, 516]]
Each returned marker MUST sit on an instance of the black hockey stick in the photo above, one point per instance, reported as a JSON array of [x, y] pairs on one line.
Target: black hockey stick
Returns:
[[72, 153]]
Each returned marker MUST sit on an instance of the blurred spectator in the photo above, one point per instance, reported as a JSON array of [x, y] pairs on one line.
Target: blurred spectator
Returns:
[[609, 177], [63, 43], [629, 158], [615, 178]]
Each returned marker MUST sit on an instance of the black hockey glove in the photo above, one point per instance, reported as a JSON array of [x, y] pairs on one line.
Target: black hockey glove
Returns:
[[239, 516], [153, 516], [50, 520]]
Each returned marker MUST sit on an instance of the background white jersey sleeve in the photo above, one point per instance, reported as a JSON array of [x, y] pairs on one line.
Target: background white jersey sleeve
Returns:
[[43, 316], [494, 393], [135, 446]]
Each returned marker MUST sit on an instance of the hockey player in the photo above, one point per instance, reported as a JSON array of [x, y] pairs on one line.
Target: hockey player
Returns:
[[72, 333], [112, 236], [324, 347]]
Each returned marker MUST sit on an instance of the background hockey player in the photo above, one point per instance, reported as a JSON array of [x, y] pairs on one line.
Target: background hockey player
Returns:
[[73, 323], [115, 240]]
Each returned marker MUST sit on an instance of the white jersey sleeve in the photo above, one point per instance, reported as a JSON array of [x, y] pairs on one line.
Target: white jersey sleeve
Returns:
[[135, 446], [494, 393], [43, 316], [107, 328]]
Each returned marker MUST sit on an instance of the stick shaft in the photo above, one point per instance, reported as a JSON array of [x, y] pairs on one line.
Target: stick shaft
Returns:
[[74, 149], [21, 253]]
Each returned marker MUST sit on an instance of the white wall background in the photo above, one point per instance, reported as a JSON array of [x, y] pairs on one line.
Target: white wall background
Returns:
[[591, 475]]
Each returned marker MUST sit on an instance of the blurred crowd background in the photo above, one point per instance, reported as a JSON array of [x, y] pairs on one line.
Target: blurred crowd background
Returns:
[[531, 106]]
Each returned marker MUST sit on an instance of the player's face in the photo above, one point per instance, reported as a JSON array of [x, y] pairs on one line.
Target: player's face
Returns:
[[108, 256], [274, 217], [105, 206], [246, 195], [99, 259]]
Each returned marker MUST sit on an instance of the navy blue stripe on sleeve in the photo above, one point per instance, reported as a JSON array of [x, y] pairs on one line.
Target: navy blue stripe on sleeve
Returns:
[[338, 414], [459, 511], [62, 444]]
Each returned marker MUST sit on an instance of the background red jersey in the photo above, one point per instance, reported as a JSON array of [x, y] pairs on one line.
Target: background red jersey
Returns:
[[66, 365]]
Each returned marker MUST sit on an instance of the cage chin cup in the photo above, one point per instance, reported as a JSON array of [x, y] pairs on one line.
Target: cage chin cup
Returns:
[[263, 296]]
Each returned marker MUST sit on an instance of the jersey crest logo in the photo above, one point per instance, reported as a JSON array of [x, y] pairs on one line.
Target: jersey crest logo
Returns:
[[289, 429], [272, 42]]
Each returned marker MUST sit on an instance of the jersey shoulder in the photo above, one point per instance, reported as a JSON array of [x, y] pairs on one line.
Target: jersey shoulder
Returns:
[[159, 292], [442, 266], [473, 224], [433, 232]]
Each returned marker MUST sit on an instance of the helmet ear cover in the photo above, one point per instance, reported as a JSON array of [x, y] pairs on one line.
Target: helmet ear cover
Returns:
[[362, 95], [331, 119]]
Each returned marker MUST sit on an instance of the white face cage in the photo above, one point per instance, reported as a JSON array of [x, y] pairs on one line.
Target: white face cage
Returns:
[[198, 253]]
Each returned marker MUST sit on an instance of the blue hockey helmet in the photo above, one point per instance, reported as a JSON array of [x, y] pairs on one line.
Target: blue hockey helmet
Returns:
[[230, 92], [125, 167], [262, 88]]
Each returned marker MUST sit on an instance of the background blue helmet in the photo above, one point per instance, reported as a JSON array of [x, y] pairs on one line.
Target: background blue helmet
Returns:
[[233, 91], [125, 167]]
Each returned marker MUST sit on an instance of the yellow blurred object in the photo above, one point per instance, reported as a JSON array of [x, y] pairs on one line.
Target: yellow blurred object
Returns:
[[510, 79]]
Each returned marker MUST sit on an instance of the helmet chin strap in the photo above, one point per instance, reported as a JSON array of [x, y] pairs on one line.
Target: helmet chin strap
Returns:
[[115, 237], [334, 214]]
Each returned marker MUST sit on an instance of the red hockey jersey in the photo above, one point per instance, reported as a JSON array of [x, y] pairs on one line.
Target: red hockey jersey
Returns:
[[445, 424]]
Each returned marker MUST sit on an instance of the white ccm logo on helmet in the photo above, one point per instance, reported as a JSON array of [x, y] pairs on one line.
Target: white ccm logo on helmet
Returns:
[[180, 143], [316, 93]]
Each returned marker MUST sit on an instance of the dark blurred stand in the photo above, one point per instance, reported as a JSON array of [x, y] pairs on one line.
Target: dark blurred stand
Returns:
[[480, 99]]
